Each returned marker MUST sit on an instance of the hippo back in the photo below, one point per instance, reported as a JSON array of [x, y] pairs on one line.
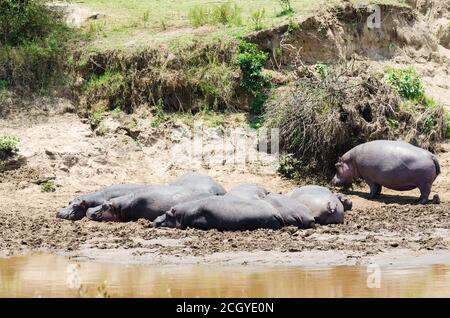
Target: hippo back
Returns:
[[247, 191], [293, 212], [199, 182]]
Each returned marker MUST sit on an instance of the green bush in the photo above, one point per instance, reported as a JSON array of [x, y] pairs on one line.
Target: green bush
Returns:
[[290, 167], [8, 146], [32, 40], [251, 61], [407, 82]]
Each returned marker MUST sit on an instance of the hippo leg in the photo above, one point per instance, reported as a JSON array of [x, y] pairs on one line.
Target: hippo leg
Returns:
[[375, 189], [425, 190]]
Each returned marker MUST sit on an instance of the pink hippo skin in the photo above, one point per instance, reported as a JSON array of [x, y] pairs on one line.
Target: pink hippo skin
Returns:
[[393, 164]]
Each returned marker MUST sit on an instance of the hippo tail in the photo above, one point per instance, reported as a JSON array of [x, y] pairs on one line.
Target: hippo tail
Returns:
[[436, 165]]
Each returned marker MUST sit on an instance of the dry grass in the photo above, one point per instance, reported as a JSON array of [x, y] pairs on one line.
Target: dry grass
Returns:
[[320, 118]]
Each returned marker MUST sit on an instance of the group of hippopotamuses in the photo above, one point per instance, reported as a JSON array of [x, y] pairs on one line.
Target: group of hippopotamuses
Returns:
[[197, 201]]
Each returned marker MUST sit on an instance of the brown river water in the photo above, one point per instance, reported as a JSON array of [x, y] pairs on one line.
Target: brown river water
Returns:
[[43, 275]]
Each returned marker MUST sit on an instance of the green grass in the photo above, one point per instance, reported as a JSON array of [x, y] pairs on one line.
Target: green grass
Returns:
[[136, 23]]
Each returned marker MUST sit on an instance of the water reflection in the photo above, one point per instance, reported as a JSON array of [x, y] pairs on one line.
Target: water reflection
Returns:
[[46, 276]]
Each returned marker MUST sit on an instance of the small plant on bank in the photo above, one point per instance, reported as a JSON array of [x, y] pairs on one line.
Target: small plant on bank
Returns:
[[407, 82], [289, 167], [286, 8], [48, 186], [116, 113], [97, 116], [257, 18], [8, 146], [322, 70], [159, 116]]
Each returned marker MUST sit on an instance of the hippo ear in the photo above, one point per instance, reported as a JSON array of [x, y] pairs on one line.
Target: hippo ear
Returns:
[[339, 164]]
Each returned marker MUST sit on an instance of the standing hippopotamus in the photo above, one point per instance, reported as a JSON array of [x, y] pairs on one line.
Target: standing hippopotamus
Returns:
[[76, 210], [325, 206], [146, 204], [247, 191], [292, 212], [222, 213], [396, 165], [199, 182]]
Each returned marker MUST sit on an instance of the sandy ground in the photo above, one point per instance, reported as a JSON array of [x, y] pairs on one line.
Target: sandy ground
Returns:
[[59, 147]]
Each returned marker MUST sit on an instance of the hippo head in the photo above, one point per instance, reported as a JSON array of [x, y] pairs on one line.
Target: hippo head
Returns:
[[334, 213], [344, 173], [346, 202], [308, 221], [76, 210], [107, 212]]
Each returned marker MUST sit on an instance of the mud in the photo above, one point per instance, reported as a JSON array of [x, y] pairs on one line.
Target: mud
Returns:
[[63, 150]]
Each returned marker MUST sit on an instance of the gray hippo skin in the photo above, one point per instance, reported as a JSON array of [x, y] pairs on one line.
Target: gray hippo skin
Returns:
[[292, 212], [393, 164], [325, 206], [76, 210], [199, 182], [146, 204], [222, 213], [247, 191]]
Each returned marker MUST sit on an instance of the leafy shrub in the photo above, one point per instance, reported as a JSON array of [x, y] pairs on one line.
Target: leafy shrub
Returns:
[[407, 82], [32, 40], [251, 61], [289, 167], [8, 146]]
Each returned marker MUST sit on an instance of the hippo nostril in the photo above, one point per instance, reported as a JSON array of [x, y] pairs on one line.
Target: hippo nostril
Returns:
[[312, 224]]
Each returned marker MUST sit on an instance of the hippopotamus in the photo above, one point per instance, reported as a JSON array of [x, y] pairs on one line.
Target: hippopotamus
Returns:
[[247, 191], [395, 165], [146, 204], [222, 213], [199, 182], [325, 206], [76, 210], [292, 212]]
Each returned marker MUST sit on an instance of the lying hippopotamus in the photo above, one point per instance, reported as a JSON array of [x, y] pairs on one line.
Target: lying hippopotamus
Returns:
[[199, 182], [76, 210], [222, 213], [292, 212], [247, 191], [146, 204], [325, 206], [396, 165]]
